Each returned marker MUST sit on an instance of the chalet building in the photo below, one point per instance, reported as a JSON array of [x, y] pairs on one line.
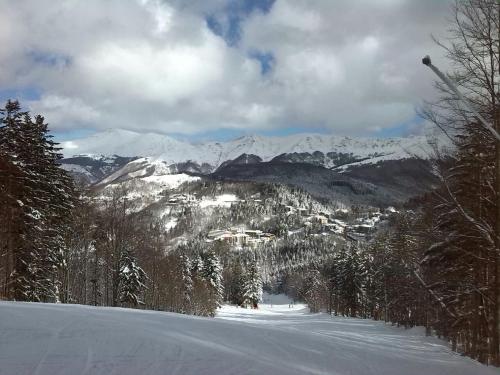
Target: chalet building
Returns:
[[320, 219], [181, 199], [240, 237]]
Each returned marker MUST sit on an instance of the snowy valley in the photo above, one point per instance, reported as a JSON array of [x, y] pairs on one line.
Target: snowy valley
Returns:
[[279, 247], [271, 187]]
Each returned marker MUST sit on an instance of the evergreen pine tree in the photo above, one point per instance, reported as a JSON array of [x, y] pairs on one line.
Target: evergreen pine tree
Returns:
[[132, 280], [212, 274], [236, 283], [252, 294], [38, 196]]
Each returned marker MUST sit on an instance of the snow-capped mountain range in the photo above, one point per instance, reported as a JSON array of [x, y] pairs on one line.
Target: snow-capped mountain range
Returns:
[[373, 170], [171, 151]]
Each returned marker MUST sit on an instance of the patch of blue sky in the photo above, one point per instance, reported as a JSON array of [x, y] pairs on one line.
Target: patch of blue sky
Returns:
[[67, 135], [266, 60], [227, 24], [22, 94], [31, 93], [413, 126]]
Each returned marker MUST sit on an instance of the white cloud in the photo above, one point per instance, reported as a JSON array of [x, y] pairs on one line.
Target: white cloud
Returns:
[[63, 109], [69, 145], [172, 72], [350, 66], [161, 13], [155, 65]]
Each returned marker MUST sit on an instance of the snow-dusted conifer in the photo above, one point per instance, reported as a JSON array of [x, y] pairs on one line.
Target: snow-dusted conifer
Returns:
[[314, 290], [38, 195], [212, 273], [132, 280], [252, 294]]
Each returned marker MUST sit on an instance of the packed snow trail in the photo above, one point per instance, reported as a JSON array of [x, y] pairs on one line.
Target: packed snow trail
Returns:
[[50, 339]]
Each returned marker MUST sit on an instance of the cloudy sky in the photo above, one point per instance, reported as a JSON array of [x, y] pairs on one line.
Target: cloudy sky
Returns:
[[205, 69]]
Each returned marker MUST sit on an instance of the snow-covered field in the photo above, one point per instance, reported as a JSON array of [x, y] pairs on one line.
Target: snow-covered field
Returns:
[[224, 200], [276, 339]]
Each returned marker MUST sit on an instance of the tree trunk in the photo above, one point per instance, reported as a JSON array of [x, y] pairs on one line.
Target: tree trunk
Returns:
[[496, 327], [496, 332]]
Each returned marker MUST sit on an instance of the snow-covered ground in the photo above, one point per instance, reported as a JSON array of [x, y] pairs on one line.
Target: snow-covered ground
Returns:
[[276, 339], [224, 200], [170, 181]]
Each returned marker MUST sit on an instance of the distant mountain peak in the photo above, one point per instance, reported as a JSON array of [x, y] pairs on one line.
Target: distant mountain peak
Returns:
[[127, 143]]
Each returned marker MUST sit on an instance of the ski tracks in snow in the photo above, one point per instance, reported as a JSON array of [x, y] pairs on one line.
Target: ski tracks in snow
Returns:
[[277, 339]]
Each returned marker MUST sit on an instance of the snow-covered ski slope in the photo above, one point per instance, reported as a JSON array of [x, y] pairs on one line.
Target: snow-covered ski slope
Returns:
[[71, 339]]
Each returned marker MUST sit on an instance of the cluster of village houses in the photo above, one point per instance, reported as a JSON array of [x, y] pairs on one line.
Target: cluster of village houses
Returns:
[[326, 223], [334, 221], [240, 236], [175, 199], [323, 222]]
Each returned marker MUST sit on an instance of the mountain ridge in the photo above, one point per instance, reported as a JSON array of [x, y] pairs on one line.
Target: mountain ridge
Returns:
[[127, 143]]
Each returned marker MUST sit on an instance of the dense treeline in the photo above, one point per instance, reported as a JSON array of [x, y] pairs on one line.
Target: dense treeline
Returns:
[[439, 265], [425, 270], [119, 256], [463, 228], [380, 280], [35, 197]]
